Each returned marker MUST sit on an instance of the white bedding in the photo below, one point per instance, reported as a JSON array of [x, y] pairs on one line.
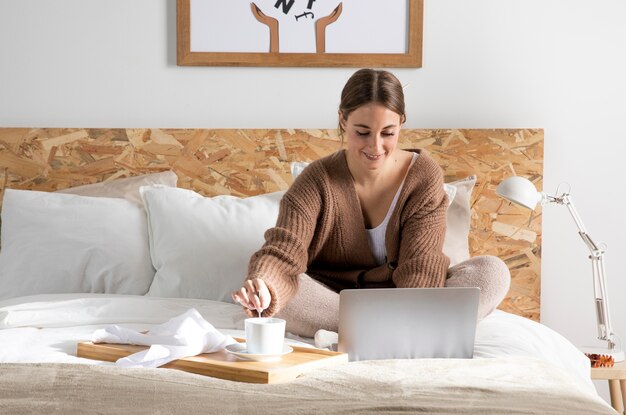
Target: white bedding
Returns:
[[46, 328]]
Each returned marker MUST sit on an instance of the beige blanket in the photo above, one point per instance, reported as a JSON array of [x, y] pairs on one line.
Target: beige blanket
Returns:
[[481, 386]]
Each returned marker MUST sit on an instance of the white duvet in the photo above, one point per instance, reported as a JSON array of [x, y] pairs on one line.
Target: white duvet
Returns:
[[46, 328]]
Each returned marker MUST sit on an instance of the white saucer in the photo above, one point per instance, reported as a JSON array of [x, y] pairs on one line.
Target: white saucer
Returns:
[[240, 350]]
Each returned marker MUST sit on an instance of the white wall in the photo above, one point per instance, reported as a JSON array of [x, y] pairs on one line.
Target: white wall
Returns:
[[555, 64]]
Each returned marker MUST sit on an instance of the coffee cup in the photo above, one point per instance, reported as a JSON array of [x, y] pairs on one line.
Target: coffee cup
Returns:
[[264, 335]]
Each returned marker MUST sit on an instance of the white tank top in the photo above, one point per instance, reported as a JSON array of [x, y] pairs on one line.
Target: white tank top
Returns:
[[376, 236]]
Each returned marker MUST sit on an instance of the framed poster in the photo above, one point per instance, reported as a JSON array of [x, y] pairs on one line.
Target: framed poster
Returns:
[[350, 33]]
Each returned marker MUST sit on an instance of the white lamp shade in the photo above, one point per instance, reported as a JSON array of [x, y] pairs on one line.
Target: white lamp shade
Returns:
[[520, 191]]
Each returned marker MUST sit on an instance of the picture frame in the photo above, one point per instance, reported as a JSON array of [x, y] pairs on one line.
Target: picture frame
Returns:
[[355, 33]]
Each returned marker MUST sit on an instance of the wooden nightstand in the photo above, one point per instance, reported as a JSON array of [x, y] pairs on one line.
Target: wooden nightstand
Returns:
[[616, 376]]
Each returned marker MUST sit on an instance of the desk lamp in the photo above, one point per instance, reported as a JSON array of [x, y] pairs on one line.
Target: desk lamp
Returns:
[[522, 191]]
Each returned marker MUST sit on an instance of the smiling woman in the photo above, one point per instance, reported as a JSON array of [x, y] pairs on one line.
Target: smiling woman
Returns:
[[372, 215], [372, 132]]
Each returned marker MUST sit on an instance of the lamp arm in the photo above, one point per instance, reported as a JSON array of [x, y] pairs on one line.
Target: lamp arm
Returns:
[[605, 329]]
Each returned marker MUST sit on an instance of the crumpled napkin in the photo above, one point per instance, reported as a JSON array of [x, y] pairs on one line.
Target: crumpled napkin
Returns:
[[188, 334]]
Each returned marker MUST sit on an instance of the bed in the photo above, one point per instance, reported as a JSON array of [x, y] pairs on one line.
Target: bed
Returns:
[[134, 227]]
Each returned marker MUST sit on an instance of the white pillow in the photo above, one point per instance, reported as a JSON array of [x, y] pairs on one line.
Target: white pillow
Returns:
[[201, 246], [297, 167], [126, 188], [59, 243], [456, 242], [450, 191]]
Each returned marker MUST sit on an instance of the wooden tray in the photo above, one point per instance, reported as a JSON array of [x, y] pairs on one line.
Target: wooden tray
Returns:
[[225, 365]]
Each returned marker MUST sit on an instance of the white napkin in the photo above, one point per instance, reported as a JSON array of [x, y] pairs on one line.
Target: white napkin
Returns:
[[186, 335]]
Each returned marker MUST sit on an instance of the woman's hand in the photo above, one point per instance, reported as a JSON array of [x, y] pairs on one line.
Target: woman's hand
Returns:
[[253, 295]]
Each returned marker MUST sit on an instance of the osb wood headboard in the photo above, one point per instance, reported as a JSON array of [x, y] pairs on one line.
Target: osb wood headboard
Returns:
[[249, 162]]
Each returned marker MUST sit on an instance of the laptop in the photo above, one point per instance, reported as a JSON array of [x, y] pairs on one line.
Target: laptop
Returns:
[[408, 323]]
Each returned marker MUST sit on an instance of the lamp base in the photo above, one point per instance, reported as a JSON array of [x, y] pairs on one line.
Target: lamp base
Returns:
[[617, 354]]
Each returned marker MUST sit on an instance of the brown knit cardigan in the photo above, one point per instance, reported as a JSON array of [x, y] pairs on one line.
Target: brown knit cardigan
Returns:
[[321, 231]]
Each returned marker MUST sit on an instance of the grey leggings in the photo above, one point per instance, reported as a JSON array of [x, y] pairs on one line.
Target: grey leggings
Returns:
[[316, 306]]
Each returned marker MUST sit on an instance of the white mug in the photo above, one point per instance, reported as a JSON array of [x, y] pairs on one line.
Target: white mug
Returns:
[[265, 335]]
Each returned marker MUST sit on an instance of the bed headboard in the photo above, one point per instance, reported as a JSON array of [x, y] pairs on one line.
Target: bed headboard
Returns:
[[248, 162]]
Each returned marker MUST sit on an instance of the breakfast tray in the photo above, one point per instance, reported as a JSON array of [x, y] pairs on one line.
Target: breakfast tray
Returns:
[[224, 365]]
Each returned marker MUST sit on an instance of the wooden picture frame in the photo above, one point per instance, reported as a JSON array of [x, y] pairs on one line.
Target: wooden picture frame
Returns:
[[411, 58]]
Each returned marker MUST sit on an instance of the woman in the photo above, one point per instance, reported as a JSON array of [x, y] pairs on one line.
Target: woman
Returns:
[[372, 215]]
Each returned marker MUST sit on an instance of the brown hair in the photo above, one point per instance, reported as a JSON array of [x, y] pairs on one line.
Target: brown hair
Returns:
[[367, 86]]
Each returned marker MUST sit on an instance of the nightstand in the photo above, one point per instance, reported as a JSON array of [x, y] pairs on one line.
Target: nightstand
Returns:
[[616, 376]]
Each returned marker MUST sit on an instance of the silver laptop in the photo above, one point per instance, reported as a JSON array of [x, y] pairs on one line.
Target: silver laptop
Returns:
[[408, 323]]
